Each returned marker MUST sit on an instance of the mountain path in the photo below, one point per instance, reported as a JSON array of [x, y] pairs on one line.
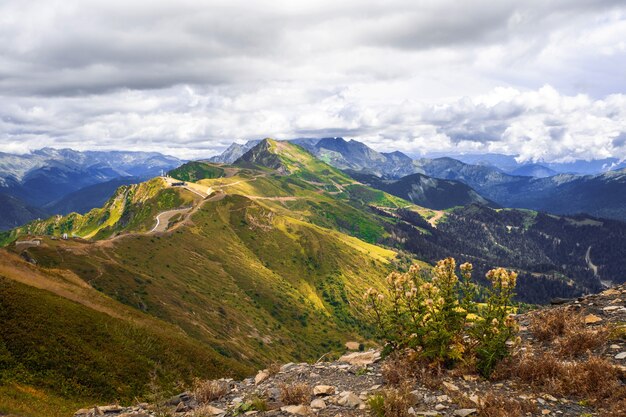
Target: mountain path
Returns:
[[163, 218]]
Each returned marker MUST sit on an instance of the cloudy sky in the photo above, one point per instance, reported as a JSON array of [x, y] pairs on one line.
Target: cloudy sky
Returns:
[[539, 78]]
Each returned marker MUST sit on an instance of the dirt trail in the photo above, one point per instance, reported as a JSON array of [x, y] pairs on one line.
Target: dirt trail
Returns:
[[594, 268], [162, 219], [433, 220]]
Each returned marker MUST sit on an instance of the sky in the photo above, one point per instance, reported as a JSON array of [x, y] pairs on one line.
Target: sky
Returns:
[[542, 79]]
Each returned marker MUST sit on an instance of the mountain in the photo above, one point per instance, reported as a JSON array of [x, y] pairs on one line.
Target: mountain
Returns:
[[533, 170], [14, 212], [357, 156], [43, 178], [87, 198], [598, 195], [426, 191], [266, 263], [233, 152], [509, 164]]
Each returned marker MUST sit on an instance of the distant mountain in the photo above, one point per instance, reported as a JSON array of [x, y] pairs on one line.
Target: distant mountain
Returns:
[[89, 197], [509, 164], [533, 170], [359, 157], [426, 191], [601, 195], [233, 152], [14, 212], [42, 178]]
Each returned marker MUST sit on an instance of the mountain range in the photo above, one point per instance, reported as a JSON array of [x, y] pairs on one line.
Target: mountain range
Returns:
[[59, 181], [221, 269], [531, 186]]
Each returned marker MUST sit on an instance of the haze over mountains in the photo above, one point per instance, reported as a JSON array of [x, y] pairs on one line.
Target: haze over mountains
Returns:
[[52, 181]]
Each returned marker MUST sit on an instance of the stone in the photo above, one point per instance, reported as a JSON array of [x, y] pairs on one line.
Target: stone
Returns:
[[450, 386], [427, 413], [352, 345], [260, 377], [611, 308], [464, 412], [318, 404], [300, 410], [323, 390], [545, 411], [361, 358], [440, 407], [350, 399], [214, 411], [592, 318], [476, 400], [621, 355], [615, 347]]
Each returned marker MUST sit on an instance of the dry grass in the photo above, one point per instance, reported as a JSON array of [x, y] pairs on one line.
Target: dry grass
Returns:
[[567, 331], [295, 394], [595, 379], [402, 367], [578, 342], [498, 405], [207, 391], [273, 368], [392, 402], [548, 325]]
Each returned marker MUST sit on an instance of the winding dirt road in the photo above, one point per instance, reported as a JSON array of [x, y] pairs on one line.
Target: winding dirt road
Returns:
[[163, 219]]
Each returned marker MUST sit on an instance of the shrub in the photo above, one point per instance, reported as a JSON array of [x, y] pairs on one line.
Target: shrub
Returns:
[[295, 394], [392, 402], [207, 391], [440, 319]]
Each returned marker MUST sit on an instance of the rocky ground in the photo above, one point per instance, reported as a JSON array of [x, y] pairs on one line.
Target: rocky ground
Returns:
[[342, 387]]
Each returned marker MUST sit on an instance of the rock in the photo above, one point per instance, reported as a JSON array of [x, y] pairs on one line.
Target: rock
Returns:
[[176, 399], [260, 377], [427, 413], [615, 347], [611, 308], [214, 411], [545, 412], [440, 407], [110, 408], [450, 386], [361, 358], [592, 318], [301, 410], [463, 412], [352, 345], [621, 355], [318, 404], [323, 390], [350, 399]]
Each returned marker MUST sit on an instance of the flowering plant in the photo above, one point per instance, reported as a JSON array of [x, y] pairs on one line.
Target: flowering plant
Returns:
[[438, 316]]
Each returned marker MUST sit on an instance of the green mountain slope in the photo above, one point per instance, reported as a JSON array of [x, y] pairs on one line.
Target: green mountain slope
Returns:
[[259, 272], [131, 208], [64, 344]]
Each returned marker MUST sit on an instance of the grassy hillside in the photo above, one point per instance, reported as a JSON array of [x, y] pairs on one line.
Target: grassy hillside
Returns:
[[63, 344], [266, 273], [196, 170], [131, 208]]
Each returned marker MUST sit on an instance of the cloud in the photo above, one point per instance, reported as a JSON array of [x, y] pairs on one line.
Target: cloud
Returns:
[[542, 79]]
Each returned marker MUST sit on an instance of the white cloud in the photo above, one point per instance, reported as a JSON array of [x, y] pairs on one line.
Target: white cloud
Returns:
[[543, 79]]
